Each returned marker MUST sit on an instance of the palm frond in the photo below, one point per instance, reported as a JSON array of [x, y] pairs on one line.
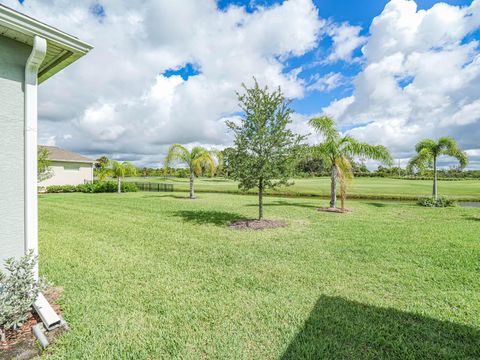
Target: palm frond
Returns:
[[450, 147], [179, 153], [130, 169], [428, 144], [325, 126], [375, 152], [123, 169], [344, 168], [422, 160], [323, 151], [202, 157]]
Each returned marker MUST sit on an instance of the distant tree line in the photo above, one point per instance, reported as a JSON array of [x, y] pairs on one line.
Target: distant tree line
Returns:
[[310, 166]]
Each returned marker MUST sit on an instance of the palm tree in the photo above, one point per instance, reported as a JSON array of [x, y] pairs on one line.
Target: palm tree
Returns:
[[120, 170], [194, 159], [428, 152], [101, 166], [337, 150]]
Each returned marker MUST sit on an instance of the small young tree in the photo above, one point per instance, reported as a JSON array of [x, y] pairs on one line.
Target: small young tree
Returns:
[[44, 171], [120, 170], [337, 150], [265, 151], [428, 152], [101, 167], [196, 159]]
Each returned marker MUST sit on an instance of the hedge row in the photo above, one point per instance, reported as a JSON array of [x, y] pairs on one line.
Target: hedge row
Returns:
[[95, 187]]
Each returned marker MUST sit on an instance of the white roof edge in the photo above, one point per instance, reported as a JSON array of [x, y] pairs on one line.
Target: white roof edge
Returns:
[[29, 26], [75, 161]]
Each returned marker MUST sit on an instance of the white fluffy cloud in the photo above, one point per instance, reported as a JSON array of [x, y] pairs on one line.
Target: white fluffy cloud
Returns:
[[117, 100], [421, 78], [346, 39], [327, 82]]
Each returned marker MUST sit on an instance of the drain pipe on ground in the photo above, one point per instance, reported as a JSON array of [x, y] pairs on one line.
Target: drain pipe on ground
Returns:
[[39, 50]]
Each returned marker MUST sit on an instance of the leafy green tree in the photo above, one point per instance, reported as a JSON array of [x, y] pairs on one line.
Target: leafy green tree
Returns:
[[428, 152], [265, 151], [225, 165], [44, 170], [102, 169], [196, 159], [337, 150], [120, 170]]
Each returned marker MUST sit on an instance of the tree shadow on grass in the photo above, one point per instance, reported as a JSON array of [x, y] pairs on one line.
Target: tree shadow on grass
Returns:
[[156, 195], [377, 204], [287, 203], [341, 329], [201, 217], [472, 218]]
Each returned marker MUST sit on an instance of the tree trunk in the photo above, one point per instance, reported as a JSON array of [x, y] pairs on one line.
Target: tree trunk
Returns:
[[192, 191], [435, 192], [119, 185], [260, 199], [333, 188]]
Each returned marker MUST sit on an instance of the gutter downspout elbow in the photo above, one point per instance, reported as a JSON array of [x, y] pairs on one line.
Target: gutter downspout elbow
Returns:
[[32, 66]]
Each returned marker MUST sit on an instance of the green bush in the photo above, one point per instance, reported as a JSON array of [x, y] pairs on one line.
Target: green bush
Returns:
[[61, 188], [129, 187], [441, 201], [18, 291], [92, 188]]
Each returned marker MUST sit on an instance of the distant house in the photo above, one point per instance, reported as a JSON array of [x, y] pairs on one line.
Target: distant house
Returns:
[[67, 168]]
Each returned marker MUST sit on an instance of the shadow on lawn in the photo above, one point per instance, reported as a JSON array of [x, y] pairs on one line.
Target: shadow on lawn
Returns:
[[219, 218], [167, 196], [286, 203], [472, 218], [376, 204], [341, 329]]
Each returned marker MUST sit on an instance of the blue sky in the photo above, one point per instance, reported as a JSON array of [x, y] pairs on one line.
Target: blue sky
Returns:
[[355, 12]]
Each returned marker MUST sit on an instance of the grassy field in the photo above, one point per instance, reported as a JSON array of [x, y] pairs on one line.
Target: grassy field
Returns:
[[360, 187], [151, 276]]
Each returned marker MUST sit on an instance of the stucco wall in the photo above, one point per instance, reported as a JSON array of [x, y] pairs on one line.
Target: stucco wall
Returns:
[[66, 173], [13, 57]]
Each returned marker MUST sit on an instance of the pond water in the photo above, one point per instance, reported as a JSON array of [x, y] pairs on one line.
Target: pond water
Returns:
[[471, 204], [464, 204]]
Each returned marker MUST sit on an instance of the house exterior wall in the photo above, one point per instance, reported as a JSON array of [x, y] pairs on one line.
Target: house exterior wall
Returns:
[[13, 57], [69, 173]]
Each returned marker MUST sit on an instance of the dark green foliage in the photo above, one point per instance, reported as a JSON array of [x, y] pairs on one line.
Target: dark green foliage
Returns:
[[101, 168], [95, 187], [18, 292], [165, 172], [265, 151], [61, 188], [44, 171], [441, 201], [102, 163]]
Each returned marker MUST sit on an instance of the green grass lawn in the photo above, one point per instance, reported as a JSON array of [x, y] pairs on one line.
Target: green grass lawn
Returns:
[[152, 276], [360, 187]]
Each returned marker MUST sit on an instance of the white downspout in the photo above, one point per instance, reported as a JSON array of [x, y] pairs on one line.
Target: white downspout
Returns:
[[30, 173], [43, 308]]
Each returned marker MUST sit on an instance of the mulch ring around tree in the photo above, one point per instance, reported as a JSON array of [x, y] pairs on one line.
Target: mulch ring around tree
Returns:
[[257, 224], [21, 344], [334, 210]]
